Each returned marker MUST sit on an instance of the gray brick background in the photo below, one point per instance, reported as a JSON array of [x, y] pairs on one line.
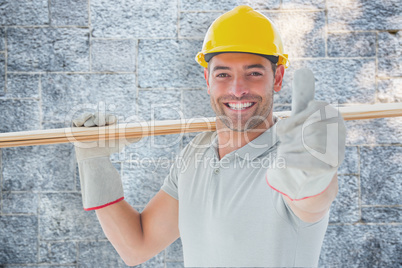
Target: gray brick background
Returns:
[[60, 57]]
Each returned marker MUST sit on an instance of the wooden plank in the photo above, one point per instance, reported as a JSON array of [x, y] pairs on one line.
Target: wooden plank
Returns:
[[166, 127]]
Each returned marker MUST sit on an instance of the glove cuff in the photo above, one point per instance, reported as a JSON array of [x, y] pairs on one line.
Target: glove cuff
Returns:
[[105, 205], [101, 185], [297, 184]]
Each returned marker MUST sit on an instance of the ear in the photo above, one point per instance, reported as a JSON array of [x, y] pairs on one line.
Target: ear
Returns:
[[280, 72], [206, 76]]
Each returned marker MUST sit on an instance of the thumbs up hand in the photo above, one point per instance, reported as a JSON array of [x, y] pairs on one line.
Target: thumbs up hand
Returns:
[[312, 143]]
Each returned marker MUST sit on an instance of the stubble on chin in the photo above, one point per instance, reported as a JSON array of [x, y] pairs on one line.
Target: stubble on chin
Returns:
[[239, 125]]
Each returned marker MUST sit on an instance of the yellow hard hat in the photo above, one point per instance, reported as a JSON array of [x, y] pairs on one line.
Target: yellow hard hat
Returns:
[[242, 30]]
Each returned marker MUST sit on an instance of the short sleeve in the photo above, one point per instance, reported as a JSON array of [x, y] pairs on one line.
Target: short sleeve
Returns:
[[198, 144], [170, 185]]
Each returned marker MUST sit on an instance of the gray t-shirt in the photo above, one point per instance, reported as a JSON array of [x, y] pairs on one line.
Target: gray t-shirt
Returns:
[[230, 217]]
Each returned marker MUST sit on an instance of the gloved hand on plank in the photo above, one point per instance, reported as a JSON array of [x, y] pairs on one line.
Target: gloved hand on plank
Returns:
[[100, 181]]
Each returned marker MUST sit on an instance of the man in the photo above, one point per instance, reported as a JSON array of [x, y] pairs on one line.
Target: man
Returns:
[[228, 206]]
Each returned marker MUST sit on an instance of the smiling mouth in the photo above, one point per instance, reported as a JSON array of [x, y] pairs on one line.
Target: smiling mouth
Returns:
[[239, 106]]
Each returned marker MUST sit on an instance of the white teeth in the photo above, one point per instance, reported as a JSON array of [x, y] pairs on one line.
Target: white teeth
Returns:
[[240, 106]]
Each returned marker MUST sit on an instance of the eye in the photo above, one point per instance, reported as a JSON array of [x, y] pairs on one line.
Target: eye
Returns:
[[222, 75], [255, 74]]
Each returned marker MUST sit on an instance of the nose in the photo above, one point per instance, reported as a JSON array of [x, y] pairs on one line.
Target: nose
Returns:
[[239, 87]]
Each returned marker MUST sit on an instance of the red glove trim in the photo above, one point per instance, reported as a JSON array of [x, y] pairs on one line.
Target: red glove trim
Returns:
[[266, 178], [105, 205]]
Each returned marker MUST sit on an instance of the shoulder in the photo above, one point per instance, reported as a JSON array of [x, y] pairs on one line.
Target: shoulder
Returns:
[[204, 138], [200, 143]]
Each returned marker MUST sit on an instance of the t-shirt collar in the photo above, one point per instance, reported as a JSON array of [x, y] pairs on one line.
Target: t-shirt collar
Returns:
[[256, 147]]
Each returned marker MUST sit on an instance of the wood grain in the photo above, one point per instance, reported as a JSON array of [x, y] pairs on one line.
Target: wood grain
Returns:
[[166, 127]]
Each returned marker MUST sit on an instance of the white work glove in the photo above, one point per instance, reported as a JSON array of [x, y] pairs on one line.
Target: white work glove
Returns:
[[100, 181], [312, 143]]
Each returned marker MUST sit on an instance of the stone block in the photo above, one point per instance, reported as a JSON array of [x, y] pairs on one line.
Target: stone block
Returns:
[[19, 239], [113, 55], [169, 64], [303, 33], [363, 15], [354, 44], [48, 49], [303, 4], [20, 203], [134, 18], [19, 115], [62, 218], [65, 97], [2, 39], [22, 86], [98, 254], [381, 214], [196, 103], [281, 108], [141, 181], [353, 82], [153, 148], [381, 175], [58, 252], [157, 261], [345, 208], [196, 24], [102, 254], [39, 168], [24, 12], [174, 264], [227, 5], [159, 104], [361, 246], [390, 53], [374, 131], [351, 163], [174, 252], [390, 90], [72, 12]]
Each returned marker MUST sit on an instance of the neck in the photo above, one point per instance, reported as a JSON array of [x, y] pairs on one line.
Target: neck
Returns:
[[230, 140]]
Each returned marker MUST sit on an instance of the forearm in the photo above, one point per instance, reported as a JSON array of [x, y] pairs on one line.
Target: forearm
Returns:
[[121, 224], [314, 208]]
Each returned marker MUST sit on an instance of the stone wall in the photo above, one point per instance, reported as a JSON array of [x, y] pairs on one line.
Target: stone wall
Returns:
[[136, 57]]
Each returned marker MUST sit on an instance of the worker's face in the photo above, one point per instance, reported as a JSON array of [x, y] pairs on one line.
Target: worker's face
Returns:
[[241, 88]]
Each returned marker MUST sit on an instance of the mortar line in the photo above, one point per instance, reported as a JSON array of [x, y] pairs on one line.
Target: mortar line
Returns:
[[77, 253], [137, 85], [382, 206], [90, 35], [376, 69], [326, 29], [178, 17], [49, 13], [71, 73], [47, 26], [40, 102], [367, 224], [260, 10], [359, 183], [361, 31], [182, 109], [38, 227], [5, 58]]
